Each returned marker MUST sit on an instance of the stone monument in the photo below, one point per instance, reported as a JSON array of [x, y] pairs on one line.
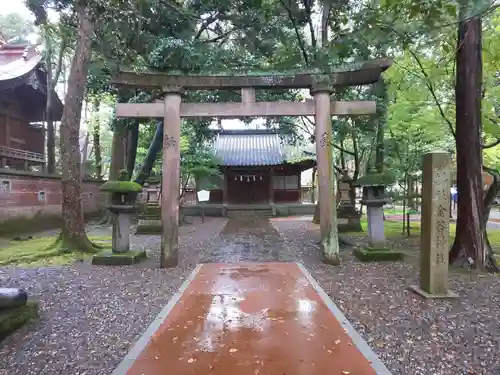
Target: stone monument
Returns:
[[434, 230], [15, 310], [123, 199]]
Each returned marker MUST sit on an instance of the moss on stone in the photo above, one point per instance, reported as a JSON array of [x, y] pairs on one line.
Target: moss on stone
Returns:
[[115, 186], [119, 259], [370, 254], [375, 179], [122, 185], [12, 319], [154, 180]]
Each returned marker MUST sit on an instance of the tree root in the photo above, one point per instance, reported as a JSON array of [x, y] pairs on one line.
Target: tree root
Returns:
[[459, 255], [72, 244], [330, 250]]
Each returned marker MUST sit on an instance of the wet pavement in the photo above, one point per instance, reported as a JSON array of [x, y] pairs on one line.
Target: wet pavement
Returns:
[[248, 239], [251, 319]]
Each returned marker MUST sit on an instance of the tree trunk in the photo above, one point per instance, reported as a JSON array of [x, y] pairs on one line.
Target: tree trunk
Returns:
[[490, 262], [468, 246], [132, 148], [316, 214], [51, 142], [73, 236], [155, 147], [52, 79], [342, 156], [85, 150], [96, 138], [382, 102], [118, 152]]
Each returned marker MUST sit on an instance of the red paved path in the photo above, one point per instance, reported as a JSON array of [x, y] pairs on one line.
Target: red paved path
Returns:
[[251, 319]]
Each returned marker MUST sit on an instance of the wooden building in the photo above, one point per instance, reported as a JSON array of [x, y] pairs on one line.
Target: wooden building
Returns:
[[23, 97], [258, 168]]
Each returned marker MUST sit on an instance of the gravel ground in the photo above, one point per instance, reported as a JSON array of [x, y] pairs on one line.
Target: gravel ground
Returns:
[[410, 335], [91, 315]]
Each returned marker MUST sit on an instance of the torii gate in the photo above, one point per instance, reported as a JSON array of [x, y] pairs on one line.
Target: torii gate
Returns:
[[172, 109]]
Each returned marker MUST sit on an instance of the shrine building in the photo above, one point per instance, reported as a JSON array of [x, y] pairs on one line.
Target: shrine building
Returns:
[[23, 97], [258, 168]]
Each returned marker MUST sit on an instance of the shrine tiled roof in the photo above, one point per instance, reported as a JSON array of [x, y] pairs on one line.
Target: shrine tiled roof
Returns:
[[22, 76], [17, 65], [245, 148], [249, 148]]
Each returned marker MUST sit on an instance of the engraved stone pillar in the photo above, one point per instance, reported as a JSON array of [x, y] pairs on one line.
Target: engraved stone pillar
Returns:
[[171, 177], [434, 232], [328, 207]]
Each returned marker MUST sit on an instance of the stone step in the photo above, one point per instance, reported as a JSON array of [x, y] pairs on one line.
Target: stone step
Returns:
[[250, 212]]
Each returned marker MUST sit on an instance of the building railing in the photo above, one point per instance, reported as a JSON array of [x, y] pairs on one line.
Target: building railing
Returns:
[[15, 153]]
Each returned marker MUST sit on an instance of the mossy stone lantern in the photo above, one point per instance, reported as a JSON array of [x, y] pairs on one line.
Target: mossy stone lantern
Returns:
[[348, 218], [153, 190], [374, 198], [123, 206], [123, 192]]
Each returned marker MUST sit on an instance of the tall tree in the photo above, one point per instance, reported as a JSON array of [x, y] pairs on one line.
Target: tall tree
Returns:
[[73, 228], [56, 42], [469, 240]]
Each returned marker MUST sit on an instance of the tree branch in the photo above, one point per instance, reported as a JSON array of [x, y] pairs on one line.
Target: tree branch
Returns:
[[60, 56], [496, 143], [297, 33], [307, 6], [205, 26], [432, 91]]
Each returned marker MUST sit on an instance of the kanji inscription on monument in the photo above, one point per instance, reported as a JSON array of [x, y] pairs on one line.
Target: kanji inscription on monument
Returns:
[[324, 139], [435, 232], [169, 142]]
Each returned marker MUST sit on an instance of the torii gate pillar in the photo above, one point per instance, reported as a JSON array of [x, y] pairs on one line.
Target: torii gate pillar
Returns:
[[171, 177], [324, 157]]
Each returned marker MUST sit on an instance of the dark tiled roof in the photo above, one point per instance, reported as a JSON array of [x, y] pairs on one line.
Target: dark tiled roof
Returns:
[[249, 148], [22, 76]]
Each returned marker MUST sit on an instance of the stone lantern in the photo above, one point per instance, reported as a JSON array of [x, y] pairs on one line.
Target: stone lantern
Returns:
[[123, 206], [348, 217], [152, 192], [149, 220], [374, 198]]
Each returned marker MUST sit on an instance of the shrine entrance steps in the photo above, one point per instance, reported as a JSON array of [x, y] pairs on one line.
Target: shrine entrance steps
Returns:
[[251, 319], [250, 211]]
